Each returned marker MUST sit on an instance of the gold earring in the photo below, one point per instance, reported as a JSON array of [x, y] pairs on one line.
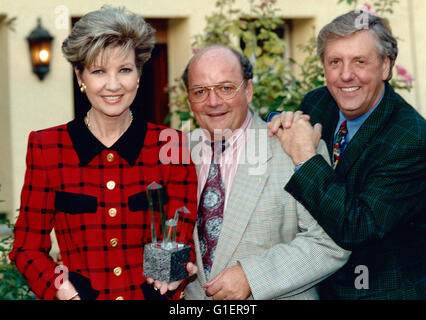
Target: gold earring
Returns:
[[137, 87], [83, 88]]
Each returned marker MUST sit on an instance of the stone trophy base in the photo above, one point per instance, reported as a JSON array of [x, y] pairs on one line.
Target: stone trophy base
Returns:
[[166, 264]]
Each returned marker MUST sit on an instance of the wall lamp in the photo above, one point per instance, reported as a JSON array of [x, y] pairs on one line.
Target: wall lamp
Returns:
[[40, 42]]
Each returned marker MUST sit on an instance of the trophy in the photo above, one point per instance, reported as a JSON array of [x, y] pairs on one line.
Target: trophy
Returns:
[[164, 259]]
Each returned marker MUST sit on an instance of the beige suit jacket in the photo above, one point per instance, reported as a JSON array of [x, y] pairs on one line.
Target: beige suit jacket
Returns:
[[282, 249]]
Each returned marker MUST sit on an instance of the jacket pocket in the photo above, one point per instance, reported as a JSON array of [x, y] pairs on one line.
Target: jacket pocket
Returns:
[[75, 203], [139, 201], [83, 286]]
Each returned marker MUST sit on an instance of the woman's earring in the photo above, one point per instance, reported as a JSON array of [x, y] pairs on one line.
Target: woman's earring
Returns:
[[137, 87], [83, 88]]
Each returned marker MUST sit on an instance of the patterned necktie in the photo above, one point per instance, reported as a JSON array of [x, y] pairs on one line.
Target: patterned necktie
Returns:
[[210, 211], [340, 144]]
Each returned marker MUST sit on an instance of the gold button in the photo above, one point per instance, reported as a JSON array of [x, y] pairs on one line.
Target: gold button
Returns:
[[112, 212], [119, 298], [110, 185], [110, 157], [113, 242], [118, 271]]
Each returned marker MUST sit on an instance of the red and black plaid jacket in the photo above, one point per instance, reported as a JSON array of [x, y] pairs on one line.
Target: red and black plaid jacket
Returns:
[[95, 199]]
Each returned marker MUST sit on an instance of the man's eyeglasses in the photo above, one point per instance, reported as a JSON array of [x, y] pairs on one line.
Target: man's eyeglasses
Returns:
[[224, 91]]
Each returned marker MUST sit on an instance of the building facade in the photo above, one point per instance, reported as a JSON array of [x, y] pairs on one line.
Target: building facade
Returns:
[[28, 104]]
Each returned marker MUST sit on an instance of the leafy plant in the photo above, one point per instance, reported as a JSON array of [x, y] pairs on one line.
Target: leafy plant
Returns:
[[12, 284], [256, 34], [312, 72]]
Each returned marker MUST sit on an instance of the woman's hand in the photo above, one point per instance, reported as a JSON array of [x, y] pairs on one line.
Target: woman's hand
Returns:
[[67, 291]]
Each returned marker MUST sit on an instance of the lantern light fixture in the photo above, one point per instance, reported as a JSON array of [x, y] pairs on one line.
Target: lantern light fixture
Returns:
[[40, 44]]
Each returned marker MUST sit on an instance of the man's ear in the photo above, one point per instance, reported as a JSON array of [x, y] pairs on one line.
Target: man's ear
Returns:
[[249, 91], [386, 68], [190, 106]]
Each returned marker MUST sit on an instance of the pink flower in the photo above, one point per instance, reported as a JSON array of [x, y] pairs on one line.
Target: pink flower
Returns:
[[400, 70], [195, 50], [369, 8], [405, 75], [408, 79]]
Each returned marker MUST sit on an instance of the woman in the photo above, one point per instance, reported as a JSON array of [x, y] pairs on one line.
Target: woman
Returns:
[[87, 179]]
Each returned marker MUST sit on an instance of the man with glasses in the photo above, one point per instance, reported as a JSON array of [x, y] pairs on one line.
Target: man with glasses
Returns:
[[252, 239]]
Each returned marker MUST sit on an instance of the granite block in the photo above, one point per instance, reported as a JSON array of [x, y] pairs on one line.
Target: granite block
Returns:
[[166, 264]]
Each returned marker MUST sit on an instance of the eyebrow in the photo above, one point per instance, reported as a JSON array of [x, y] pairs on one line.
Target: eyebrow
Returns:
[[92, 67], [127, 63], [208, 85], [353, 57]]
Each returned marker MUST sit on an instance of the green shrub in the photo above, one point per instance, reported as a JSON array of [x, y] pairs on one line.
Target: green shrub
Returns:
[[12, 284]]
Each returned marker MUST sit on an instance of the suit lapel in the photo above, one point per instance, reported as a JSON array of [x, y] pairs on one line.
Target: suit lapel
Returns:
[[374, 123], [246, 190], [326, 112], [198, 257], [195, 141]]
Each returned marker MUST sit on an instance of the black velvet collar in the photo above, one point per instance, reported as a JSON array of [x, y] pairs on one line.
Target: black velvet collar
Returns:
[[128, 146]]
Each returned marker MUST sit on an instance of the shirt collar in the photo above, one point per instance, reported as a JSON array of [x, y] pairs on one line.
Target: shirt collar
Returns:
[[231, 144], [128, 146], [235, 135]]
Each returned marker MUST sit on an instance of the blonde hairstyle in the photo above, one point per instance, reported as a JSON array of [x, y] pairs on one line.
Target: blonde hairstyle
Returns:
[[104, 29]]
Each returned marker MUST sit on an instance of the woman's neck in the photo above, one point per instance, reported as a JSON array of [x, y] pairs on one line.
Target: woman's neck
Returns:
[[107, 129]]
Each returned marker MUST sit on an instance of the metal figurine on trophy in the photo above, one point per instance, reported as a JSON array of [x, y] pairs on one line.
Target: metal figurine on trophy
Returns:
[[164, 259]]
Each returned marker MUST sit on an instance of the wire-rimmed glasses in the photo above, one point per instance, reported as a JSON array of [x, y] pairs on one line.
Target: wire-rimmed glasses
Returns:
[[225, 91]]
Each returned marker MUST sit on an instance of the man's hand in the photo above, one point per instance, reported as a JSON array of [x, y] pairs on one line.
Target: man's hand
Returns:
[[230, 284], [164, 286], [301, 140], [284, 120]]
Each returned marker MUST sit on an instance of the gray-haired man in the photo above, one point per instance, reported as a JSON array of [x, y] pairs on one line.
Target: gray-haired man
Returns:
[[372, 202]]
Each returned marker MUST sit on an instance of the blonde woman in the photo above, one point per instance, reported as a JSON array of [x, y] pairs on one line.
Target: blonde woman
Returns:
[[87, 178]]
